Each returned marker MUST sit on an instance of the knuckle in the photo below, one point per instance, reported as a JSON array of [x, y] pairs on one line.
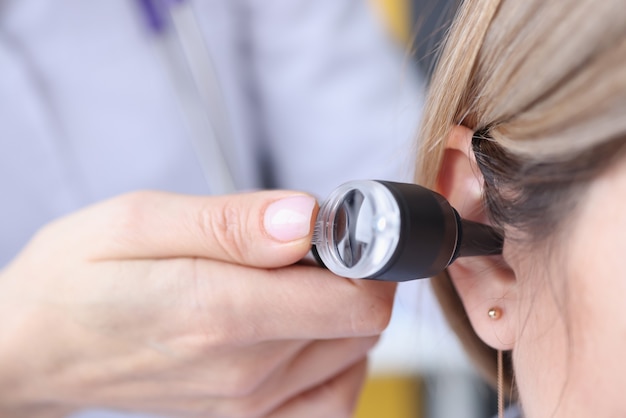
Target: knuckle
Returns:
[[226, 228], [332, 402], [339, 406], [344, 408], [367, 343], [243, 383], [238, 383], [128, 210], [250, 408], [372, 315], [209, 303], [126, 217], [45, 234], [130, 202], [227, 334]]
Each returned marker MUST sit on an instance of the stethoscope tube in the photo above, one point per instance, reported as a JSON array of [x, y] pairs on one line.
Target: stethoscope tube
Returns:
[[395, 232]]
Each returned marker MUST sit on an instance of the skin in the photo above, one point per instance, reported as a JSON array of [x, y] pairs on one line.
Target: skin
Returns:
[[563, 313], [183, 306]]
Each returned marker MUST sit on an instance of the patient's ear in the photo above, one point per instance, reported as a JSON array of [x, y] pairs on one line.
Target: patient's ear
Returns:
[[482, 282]]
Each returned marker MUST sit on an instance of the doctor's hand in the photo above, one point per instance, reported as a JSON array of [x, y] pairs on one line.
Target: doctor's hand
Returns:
[[184, 306]]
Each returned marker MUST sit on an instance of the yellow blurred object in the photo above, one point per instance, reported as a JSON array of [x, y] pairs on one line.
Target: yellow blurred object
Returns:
[[397, 16], [391, 397]]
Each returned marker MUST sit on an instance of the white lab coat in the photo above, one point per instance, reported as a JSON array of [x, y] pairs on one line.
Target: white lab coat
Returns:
[[87, 110]]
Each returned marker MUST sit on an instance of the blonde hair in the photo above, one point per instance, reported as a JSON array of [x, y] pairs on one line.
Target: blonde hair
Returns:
[[544, 82]]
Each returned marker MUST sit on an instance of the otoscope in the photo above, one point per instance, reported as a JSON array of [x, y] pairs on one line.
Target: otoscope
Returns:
[[383, 230]]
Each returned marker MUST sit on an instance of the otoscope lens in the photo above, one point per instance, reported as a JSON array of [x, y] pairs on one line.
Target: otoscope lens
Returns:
[[358, 229], [348, 220]]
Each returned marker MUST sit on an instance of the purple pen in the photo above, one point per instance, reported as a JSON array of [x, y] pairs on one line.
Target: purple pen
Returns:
[[156, 13]]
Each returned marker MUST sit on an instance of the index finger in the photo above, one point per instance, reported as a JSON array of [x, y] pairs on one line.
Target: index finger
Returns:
[[294, 302]]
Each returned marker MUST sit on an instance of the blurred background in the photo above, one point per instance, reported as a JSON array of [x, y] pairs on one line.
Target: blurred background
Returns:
[[419, 370]]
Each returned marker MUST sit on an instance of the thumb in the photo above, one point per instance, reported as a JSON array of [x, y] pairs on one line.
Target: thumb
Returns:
[[260, 229]]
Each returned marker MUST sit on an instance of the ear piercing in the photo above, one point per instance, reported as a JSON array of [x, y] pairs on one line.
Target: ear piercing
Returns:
[[494, 313]]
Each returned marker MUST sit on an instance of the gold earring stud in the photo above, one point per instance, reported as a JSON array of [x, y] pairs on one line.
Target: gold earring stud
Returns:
[[495, 313]]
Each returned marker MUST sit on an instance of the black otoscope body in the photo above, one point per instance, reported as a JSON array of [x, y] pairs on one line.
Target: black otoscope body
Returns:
[[371, 229]]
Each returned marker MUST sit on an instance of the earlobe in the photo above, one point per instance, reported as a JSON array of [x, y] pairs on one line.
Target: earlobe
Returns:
[[486, 285]]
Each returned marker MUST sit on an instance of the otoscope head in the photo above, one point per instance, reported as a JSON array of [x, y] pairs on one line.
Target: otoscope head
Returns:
[[392, 231]]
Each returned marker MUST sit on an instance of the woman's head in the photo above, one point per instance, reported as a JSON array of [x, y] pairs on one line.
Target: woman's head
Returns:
[[525, 127]]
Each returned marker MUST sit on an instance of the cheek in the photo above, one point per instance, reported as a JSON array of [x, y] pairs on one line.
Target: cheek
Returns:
[[572, 338], [598, 310]]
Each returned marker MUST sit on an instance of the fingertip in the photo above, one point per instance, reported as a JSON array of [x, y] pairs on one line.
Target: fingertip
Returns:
[[280, 228], [290, 219]]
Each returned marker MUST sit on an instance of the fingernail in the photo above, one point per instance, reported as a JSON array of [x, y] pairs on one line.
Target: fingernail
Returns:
[[289, 219]]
